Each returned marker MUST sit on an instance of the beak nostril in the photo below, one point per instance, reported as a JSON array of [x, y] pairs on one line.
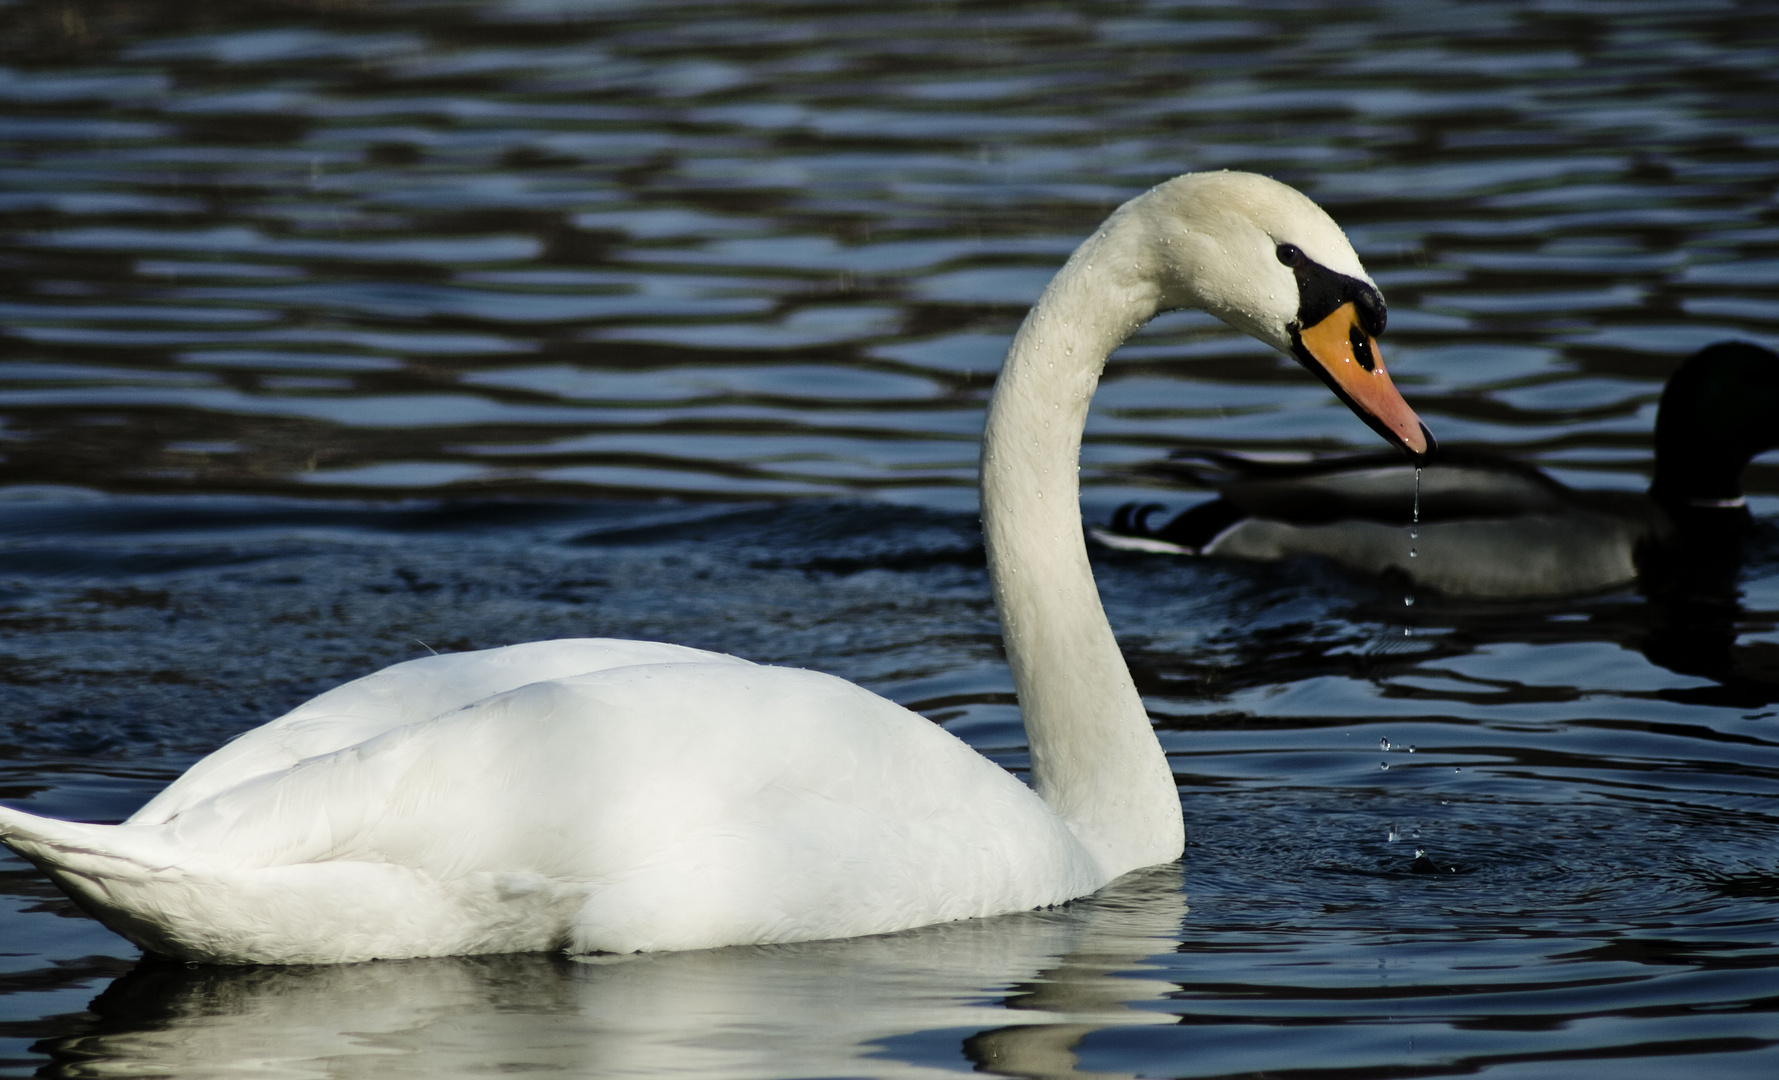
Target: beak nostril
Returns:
[[1362, 350]]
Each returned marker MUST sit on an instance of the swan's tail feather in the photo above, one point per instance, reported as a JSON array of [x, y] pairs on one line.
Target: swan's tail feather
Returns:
[[126, 876], [73, 847]]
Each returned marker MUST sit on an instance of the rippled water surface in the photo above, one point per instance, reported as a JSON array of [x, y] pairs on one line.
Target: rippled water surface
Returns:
[[332, 332]]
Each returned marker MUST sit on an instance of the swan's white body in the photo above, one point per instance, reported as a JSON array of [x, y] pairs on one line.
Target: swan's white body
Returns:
[[591, 795], [618, 796]]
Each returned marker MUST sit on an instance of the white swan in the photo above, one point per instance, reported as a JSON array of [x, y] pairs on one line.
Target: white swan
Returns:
[[597, 795]]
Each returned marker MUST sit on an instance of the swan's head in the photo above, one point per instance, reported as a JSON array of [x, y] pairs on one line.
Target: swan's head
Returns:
[[1266, 260]]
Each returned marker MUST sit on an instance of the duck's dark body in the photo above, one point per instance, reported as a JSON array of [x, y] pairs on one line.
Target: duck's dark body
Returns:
[[1490, 527]]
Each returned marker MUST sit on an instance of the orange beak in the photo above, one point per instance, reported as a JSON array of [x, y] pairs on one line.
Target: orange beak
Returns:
[[1347, 358]]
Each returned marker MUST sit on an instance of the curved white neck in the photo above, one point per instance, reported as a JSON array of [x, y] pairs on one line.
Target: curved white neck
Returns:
[[1095, 758]]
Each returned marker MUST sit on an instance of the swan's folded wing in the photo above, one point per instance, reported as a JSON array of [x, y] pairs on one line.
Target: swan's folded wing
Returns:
[[398, 695], [687, 805], [594, 774]]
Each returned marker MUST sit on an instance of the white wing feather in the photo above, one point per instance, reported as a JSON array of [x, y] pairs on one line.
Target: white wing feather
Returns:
[[401, 694]]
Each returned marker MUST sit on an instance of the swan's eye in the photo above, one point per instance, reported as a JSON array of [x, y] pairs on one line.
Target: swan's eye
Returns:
[[1362, 349], [1290, 256]]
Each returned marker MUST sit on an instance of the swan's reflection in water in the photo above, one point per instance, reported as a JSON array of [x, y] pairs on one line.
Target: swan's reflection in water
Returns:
[[1028, 986]]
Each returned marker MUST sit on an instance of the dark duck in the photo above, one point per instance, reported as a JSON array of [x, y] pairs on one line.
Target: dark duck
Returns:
[[1491, 527]]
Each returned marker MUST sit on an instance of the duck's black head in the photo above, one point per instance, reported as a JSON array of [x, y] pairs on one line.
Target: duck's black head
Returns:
[[1720, 410]]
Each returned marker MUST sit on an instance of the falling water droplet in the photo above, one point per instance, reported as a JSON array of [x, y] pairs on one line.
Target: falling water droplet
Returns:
[[1384, 745], [1414, 528], [1411, 748], [1414, 533], [1384, 765], [1393, 835]]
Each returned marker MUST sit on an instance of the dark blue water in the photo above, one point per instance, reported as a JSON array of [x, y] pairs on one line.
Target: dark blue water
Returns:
[[332, 333]]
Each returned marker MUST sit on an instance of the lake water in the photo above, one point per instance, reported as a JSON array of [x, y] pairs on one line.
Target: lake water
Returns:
[[334, 331]]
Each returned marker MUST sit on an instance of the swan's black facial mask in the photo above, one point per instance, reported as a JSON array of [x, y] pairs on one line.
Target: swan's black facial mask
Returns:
[[1338, 318], [1321, 292]]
